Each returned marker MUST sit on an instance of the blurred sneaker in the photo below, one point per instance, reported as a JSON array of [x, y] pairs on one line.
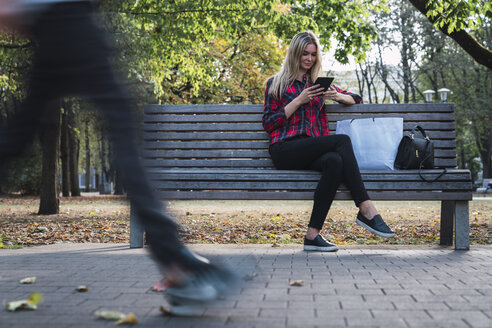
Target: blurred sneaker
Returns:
[[319, 244], [199, 289], [376, 225]]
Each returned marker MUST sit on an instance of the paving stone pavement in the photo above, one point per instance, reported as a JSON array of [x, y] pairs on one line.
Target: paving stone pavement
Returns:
[[355, 287]]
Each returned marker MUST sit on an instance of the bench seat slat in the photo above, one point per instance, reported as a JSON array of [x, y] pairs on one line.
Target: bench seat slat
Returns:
[[261, 162], [309, 185], [213, 136], [252, 163], [207, 153], [257, 127], [239, 109], [195, 175], [200, 118], [206, 145], [332, 117], [245, 144], [271, 171], [410, 117], [184, 146], [254, 135], [160, 122], [234, 153], [269, 195]]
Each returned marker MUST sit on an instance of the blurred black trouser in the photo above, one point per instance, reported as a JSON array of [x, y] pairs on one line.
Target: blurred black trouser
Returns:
[[72, 58], [331, 155]]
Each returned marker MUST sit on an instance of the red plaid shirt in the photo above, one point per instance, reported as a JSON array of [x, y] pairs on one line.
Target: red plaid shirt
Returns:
[[310, 119]]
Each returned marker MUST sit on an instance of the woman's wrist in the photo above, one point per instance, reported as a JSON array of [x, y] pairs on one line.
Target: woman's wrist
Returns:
[[292, 107], [346, 99]]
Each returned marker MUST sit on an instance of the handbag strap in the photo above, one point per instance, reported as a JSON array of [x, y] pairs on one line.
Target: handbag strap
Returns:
[[421, 130], [430, 180]]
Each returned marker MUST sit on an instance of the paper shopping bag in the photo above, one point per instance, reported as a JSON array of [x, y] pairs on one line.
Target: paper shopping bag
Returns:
[[375, 140]]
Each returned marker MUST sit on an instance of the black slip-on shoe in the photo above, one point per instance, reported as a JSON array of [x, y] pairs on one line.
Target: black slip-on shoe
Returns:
[[376, 225], [319, 244]]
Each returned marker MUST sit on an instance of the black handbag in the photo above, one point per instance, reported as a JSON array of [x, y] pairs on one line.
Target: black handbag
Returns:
[[416, 153]]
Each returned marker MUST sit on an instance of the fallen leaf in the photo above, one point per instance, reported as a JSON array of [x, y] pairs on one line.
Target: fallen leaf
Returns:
[[297, 283], [109, 315], [28, 280], [30, 304], [130, 318], [21, 305], [82, 288], [121, 318]]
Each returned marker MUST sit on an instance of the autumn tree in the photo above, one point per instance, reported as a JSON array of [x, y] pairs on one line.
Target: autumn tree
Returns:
[[172, 46], [456, 19]]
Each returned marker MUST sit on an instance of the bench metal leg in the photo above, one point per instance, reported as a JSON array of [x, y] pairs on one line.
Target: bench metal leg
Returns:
[[462, 226], [448, 208], [136, 229]]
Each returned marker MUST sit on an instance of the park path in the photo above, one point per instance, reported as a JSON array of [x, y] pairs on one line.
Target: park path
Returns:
[[355, 287]]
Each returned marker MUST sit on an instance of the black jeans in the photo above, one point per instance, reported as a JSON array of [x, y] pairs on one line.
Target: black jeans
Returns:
[[331, 155], [72, 57]]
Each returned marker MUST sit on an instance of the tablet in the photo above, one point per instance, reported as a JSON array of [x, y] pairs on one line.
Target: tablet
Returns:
[[325, 82]]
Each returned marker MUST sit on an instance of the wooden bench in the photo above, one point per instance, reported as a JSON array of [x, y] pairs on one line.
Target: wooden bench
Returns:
[[221, 152]]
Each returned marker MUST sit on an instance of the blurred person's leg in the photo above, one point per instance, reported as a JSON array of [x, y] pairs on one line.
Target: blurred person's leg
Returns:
[[72, 58], [74, 51]]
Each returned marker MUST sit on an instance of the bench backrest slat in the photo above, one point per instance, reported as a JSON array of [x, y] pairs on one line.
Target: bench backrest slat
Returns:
[[232, 136]]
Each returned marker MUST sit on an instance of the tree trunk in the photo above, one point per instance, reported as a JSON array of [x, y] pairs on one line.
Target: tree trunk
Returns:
[[105, 176], [64, 152], [360, 83], [365, 72], [383, 74], [405, 57], [485, 155], [487, 165], [118, 184], [74, 146], [50, 143], [87, 158]]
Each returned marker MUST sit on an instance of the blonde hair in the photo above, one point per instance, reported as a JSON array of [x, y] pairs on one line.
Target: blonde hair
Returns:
[[290, 68]]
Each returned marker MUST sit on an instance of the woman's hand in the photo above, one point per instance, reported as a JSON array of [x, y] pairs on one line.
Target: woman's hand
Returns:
[[332, 94], [309, 93], [306, 96]]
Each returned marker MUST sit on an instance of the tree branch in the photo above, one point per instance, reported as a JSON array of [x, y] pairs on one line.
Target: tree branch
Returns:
[[467, 42]]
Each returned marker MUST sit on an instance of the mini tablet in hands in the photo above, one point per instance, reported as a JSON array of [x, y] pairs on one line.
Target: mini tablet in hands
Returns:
[[325, 82]]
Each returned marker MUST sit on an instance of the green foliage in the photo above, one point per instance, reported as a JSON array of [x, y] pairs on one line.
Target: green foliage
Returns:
[[349, 22], [15, 55], [173, 47], [238, 73], [459, 15]]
